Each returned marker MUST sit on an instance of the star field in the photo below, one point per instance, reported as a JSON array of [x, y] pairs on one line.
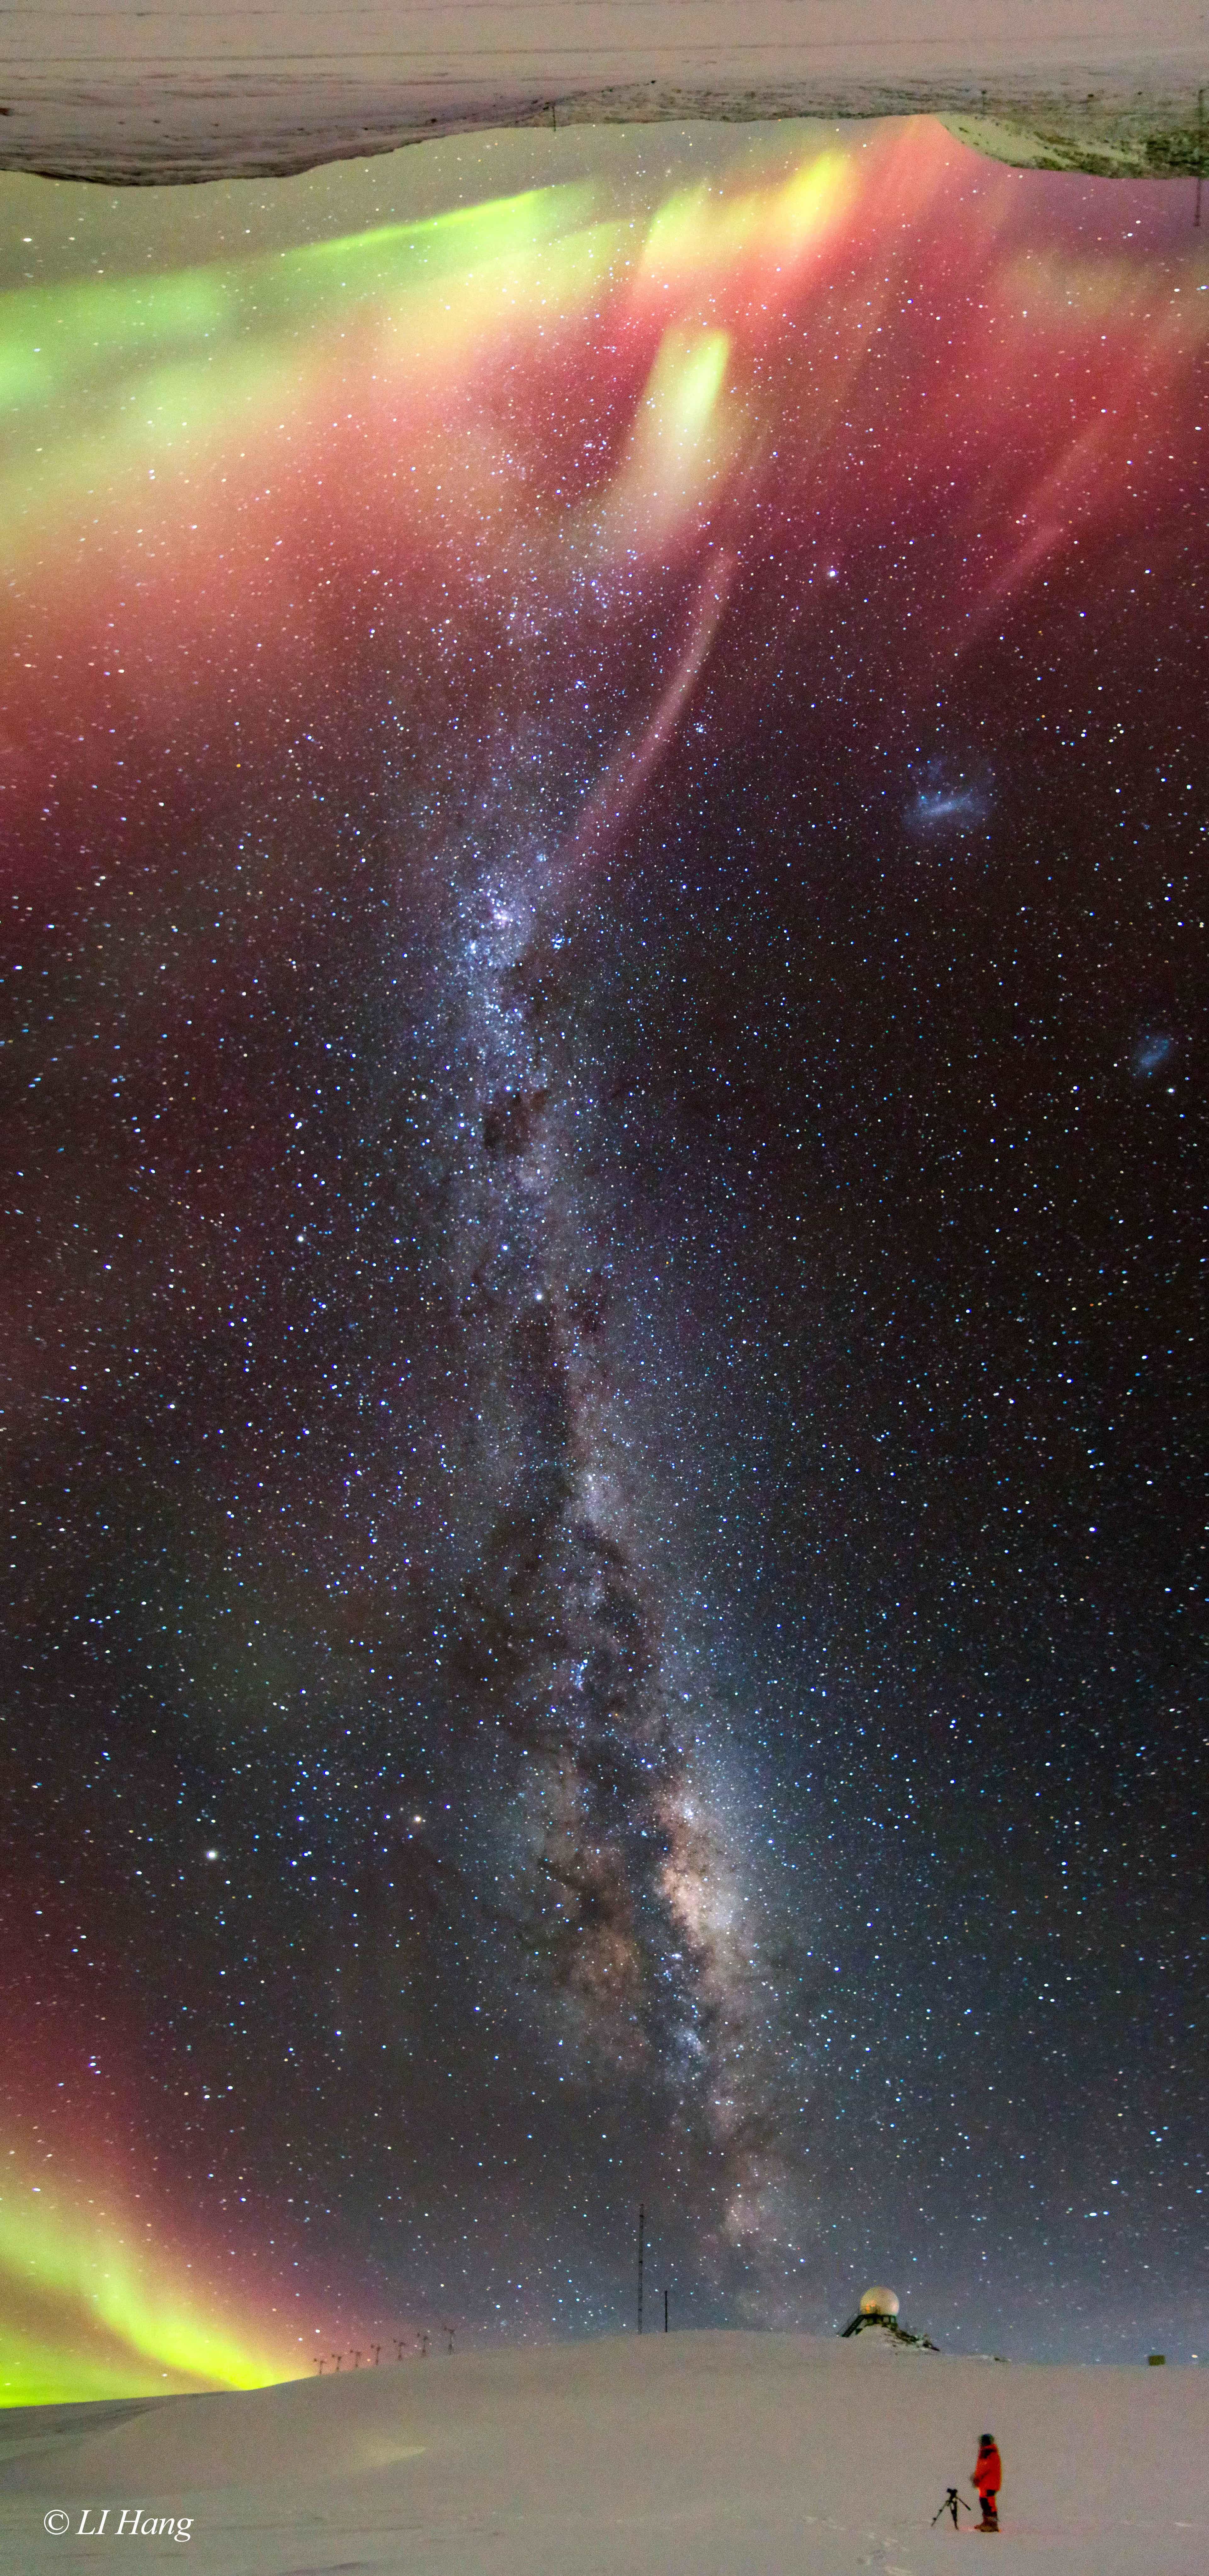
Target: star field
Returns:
[[605, 813]]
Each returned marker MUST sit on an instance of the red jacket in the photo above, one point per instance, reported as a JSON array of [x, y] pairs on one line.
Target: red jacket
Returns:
[[988, 2473]]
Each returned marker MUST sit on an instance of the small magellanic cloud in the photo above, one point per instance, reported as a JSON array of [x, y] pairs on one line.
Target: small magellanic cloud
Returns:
[[1154, 1049]]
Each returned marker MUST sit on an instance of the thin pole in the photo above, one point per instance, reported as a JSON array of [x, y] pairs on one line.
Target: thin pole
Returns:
[[641, 2259], [665, 2311]]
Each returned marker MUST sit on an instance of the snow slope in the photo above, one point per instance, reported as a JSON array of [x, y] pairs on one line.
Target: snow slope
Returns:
[[169, 89], [684, 2455]]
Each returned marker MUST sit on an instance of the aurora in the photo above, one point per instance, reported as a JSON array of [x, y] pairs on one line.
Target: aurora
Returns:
[[599, 823]]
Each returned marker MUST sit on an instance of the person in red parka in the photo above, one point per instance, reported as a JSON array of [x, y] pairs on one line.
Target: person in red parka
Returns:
[[988, 2478]]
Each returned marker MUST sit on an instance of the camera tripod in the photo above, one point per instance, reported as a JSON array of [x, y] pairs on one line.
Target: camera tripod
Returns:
[[953, 2504]]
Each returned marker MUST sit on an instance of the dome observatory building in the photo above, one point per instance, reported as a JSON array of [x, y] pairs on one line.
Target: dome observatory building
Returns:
[[878, 2314]]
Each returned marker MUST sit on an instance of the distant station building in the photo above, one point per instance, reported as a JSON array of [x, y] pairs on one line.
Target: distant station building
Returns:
[[878, 2314]]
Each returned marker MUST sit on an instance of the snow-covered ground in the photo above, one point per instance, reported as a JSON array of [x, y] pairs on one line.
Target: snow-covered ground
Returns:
[[684, 2455], [168, 89]]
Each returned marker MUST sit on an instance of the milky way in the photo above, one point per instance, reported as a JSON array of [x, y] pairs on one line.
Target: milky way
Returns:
[[603, 833]]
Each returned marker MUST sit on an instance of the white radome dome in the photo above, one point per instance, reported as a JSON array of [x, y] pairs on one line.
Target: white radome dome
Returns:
[[879, 2303]]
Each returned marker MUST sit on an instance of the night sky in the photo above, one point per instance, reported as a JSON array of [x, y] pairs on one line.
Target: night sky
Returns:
[[604, 815]]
